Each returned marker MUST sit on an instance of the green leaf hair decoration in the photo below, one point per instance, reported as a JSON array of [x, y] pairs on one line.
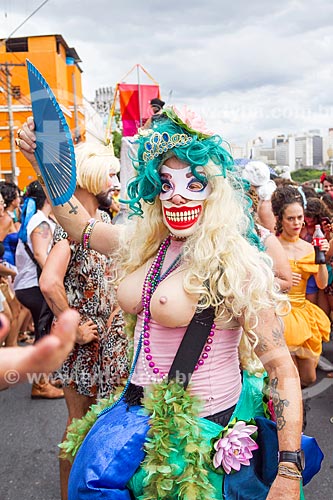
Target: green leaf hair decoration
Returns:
[[188, 124]]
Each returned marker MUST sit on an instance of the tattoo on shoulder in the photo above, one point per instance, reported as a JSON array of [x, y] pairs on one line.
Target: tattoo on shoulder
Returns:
[[44, 229], [278, 404]]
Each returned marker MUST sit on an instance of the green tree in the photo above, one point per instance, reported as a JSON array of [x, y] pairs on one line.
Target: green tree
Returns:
[[117, 134], [305, 174], [116, 141]]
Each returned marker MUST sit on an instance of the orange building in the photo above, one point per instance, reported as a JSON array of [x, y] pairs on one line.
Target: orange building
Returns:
[[58, 63]]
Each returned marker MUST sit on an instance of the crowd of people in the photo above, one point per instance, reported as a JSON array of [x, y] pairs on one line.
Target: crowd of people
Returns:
[[291, 212], [24, 250], [208, 247]]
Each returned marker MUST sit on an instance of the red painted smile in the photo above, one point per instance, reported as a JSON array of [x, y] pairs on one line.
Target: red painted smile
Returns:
[[183, 217]]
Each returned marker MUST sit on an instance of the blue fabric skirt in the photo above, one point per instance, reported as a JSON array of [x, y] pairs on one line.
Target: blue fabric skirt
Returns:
[[107, 465]]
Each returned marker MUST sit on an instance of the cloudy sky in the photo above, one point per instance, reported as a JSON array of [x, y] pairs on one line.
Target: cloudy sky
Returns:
[[252, 69]]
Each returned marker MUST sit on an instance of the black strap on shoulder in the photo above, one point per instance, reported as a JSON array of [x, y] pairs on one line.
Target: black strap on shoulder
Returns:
[[33, 258], [191, 346]]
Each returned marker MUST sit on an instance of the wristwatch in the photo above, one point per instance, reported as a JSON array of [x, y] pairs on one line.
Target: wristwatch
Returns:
[[294, 457]]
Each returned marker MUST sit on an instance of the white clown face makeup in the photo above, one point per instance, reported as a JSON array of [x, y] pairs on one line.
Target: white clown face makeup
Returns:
[[182, 198], [183, 183]]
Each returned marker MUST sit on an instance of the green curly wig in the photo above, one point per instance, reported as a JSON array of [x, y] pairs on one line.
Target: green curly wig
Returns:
[[198, 149]]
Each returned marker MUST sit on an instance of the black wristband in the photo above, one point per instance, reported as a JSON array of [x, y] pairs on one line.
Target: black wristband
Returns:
[[294, 457]]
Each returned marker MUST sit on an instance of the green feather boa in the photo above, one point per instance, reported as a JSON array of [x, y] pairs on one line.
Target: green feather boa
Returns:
[[174, 428]]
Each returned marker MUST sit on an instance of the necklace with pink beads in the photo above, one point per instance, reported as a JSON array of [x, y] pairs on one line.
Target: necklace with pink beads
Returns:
[[207, 348], [152, 280]]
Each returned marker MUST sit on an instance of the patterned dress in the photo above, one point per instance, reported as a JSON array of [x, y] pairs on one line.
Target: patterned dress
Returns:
[[92, 369]]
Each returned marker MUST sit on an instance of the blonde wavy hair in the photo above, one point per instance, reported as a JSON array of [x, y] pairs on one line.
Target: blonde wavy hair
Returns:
[[220, 265], [95, 163]]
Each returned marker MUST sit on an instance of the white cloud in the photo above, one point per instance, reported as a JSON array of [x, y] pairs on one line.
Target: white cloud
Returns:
[[252, 68]]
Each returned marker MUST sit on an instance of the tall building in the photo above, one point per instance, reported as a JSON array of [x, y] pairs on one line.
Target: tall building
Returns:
[[282, 150], [59, 64], [317, 151], [299, 151], [328, 147], [285, 151], [309, 150], [257, 151], [253, 148], [103, 100]]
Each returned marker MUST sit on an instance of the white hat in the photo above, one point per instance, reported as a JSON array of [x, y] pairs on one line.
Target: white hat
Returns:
[[258, 175], [256, 172], [265, 192]]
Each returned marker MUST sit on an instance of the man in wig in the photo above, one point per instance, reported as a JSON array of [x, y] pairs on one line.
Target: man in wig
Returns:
[[194, 285]]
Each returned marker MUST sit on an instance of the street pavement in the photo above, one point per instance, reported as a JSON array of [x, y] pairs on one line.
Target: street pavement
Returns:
[[31, 430]]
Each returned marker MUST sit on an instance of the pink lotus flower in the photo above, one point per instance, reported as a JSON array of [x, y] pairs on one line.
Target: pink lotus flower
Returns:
[[235, 447], [193, 121]]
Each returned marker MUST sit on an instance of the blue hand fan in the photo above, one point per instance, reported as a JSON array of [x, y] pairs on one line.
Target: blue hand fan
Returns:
[[55, 149]]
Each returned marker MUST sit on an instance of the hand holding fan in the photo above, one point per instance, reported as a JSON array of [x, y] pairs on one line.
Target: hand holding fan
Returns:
[[55, 149]]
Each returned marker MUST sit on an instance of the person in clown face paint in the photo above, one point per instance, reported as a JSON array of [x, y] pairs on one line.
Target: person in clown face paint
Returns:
[[190, 244], [182, 195]]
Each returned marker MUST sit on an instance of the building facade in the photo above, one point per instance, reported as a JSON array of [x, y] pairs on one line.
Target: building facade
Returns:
[[300, 150], [285, 151], [309, 150], [59, 64]]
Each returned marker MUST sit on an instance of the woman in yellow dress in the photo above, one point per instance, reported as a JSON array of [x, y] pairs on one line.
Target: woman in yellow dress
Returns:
[[306, 325]]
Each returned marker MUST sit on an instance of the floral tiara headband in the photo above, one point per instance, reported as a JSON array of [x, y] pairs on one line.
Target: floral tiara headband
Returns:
[[159, 143]]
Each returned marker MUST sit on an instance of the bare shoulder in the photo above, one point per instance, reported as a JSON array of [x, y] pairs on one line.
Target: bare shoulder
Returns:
[[7, 221], [272, 241], [308, 247]]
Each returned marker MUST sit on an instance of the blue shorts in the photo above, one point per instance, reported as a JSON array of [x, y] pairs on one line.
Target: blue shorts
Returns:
[[311, 286]]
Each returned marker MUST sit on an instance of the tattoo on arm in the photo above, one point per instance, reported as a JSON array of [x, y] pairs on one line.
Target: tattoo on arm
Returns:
[[278, 404], [262, 345], [74, 209], [277, 339], [277, 334], [44, 230]]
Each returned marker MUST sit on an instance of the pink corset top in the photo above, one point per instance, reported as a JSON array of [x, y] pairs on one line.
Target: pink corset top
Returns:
[[217, 382]]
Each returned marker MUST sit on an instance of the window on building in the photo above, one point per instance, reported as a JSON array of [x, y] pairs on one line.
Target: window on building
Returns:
[[17, 44], [6, 175], [16, 90]]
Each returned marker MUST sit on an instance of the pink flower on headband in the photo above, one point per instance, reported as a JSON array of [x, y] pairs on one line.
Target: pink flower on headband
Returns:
[[189, 120], [235, 446]]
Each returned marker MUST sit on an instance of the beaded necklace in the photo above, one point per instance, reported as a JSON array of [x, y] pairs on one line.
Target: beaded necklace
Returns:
[[151, 282], [207, 348]]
